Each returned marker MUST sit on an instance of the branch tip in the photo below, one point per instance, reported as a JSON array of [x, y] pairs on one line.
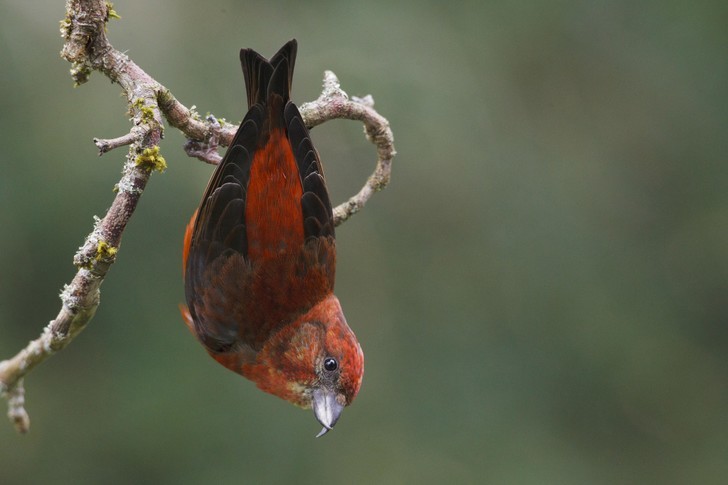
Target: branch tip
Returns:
[[105, 145]]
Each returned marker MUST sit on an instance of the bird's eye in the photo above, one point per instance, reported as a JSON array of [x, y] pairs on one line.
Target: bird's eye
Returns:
[[330, 364]]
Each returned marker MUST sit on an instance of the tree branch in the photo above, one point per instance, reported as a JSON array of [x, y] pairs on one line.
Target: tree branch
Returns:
[[87, 48], [334, 103]]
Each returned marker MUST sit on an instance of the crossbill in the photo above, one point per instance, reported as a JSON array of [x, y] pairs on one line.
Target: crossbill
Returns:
[[259, 256]]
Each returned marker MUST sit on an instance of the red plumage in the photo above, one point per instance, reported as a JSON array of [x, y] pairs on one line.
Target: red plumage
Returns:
[[260, 256]]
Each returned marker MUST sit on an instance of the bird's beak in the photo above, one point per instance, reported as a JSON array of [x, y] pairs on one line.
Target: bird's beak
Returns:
[[326, 408]]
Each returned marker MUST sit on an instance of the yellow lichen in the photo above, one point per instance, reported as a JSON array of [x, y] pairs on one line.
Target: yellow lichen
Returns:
[[147, 114], [105, 251], [111, 13], [150, 159]]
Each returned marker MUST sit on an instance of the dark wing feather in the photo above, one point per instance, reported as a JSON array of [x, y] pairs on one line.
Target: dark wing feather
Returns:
[[318, 216], [238, 292], [219, 231]]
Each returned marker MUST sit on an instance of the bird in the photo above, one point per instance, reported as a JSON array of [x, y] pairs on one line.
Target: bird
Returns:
[[259, 256]]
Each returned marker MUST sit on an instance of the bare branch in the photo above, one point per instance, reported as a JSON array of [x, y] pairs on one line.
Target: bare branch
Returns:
[[334, 103], [87, 49], [108, 145]]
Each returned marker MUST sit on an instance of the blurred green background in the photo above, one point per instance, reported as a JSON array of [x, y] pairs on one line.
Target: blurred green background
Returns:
[[541, 293]]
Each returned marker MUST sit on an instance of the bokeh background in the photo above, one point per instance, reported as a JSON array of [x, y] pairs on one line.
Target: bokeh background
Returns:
[[541, 293]]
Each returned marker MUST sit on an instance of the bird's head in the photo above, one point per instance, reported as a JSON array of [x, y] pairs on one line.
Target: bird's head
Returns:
[[314, 362]]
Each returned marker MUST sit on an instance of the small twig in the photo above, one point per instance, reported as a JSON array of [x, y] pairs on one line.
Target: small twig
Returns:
[[108, 145]]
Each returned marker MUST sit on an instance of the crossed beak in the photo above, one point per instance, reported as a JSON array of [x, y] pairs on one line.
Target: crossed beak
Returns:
[[326, 408]]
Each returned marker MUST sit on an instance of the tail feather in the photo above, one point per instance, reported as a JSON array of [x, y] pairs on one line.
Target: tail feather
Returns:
[[264, 78]]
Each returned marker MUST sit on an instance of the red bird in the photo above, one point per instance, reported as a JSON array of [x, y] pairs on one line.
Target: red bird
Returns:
[[260, 256]]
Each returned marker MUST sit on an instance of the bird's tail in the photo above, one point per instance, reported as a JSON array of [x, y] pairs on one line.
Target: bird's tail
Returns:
[[264, 78]]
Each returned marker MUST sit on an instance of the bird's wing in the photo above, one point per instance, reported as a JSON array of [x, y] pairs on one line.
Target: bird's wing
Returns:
[[262, 245]]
